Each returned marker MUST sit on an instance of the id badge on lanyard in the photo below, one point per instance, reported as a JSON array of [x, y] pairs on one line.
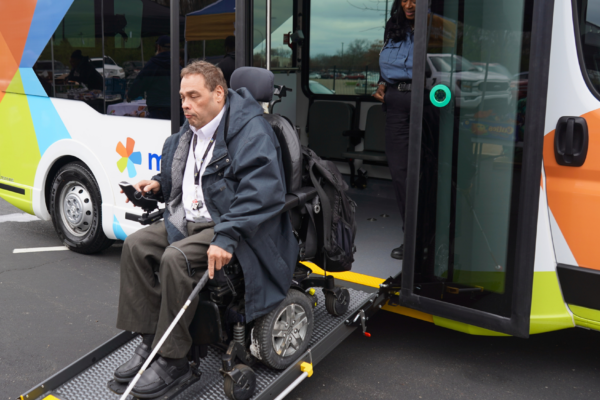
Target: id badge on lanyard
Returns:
[[196, 204]]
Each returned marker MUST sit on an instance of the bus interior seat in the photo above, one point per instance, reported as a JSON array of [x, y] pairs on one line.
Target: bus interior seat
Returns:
[[374, 139], [327, 121]]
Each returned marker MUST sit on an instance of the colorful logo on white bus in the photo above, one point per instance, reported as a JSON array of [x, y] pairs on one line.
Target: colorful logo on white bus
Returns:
[[129, 158]]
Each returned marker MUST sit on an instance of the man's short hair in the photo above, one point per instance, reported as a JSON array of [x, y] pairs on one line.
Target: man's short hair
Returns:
[[213, 76]]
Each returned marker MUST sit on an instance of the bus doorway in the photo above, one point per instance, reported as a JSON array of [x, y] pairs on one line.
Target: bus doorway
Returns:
[[475, 149]]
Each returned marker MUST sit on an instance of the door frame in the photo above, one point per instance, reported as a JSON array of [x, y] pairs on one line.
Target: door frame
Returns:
[[518, 323]]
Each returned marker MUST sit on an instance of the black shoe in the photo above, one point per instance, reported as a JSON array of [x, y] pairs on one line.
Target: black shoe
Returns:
[[127, 371], [162, 375], [398, 252]]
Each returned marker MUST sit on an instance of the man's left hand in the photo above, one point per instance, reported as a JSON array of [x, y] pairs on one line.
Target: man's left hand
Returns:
[[217, 258]]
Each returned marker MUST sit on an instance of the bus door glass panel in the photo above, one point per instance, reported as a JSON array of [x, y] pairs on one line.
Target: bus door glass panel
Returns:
[[71, 66], [282, 25], [472, 148], [345, 41]]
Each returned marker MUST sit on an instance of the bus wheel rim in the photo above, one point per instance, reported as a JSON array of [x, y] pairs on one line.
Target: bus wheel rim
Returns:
[[76, 209]]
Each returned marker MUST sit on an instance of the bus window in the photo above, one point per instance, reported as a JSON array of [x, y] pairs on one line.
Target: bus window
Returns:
[[345, 41], [68, 67], [588, 13], [137, 59], [282, 25], [75, 65]]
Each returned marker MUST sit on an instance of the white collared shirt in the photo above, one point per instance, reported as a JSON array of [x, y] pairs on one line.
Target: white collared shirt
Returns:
[[190, 192]]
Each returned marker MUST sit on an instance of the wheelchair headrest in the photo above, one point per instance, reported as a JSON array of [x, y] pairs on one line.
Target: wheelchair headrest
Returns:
[[259, 81]]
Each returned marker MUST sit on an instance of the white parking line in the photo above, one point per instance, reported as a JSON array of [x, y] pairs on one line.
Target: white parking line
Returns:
[[18, 217], [40, 249]]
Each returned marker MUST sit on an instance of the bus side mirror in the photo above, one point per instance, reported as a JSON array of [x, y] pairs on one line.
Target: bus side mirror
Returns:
[[427, 74]]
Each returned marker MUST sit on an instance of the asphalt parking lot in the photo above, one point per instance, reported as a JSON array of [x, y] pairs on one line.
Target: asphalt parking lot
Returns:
[[57, 306]]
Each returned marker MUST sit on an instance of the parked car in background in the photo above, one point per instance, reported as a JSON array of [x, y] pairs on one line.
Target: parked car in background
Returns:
[[132, 67], [111, 69], [355, 75], [314, 75], [329, 75], [44, 68], [317, 88], [468, 80], [367, 86], [494, 67]]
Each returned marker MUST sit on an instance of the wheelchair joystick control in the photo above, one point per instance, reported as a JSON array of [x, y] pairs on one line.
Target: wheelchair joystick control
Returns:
[[146, 202]]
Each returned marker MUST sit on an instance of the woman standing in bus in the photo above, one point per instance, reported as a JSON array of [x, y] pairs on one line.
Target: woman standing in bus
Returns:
[[394, 90]]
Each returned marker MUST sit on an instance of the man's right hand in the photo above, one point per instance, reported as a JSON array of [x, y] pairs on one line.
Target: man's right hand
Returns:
[[380, 93], [145, 186]]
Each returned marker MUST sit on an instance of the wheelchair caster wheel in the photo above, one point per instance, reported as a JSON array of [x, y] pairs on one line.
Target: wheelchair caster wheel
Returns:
[[337, 305], [244, 388]]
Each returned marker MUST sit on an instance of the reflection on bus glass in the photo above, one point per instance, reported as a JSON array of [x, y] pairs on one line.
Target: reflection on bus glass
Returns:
[[107, 54]]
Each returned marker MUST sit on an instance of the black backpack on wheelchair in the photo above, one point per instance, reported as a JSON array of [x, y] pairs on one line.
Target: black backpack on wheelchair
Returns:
[[278, 338]]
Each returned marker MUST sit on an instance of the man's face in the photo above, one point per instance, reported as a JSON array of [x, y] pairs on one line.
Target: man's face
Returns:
[[199, 104]]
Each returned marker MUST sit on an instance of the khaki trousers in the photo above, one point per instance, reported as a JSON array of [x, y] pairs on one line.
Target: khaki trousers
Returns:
[[148, 305]]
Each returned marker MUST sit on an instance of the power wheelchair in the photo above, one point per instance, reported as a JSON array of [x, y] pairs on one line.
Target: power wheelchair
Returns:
[[278, 338]]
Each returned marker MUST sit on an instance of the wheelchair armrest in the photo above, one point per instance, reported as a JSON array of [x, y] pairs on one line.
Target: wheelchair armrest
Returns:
[[298, 198]]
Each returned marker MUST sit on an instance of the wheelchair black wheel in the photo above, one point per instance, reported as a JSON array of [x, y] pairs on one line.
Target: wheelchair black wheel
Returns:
[[337, 305], [235, 392], [284, 334]]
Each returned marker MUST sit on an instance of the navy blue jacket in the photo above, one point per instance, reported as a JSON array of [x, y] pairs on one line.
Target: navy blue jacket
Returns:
[[244, 192]]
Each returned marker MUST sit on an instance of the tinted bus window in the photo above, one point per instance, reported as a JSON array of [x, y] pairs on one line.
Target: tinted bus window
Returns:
[[588, 14], [76, 46], [137, 58], [345, 40]]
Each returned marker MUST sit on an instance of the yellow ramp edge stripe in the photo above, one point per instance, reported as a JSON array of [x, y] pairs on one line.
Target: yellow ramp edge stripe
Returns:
[[353, 277], [371, 281]]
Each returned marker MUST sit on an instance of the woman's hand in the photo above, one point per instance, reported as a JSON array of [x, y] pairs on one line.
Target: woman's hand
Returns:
[[380, 93]]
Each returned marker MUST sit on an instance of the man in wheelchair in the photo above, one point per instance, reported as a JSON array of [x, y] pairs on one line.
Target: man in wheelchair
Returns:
[[222, 182]]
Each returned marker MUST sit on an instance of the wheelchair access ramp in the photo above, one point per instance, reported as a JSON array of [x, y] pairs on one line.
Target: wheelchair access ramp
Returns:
[[86, 379]]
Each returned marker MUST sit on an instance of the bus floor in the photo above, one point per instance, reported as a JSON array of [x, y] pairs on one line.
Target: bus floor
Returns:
[[378, 229]]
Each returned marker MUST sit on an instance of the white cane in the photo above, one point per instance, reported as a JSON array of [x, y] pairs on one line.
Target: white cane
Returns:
[[195, 292]]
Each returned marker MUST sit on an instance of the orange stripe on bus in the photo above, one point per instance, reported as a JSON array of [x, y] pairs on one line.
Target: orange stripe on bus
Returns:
[[15, 21], [574, 196]]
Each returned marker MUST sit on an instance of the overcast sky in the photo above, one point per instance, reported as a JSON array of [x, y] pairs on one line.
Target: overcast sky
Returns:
[[337, 21]]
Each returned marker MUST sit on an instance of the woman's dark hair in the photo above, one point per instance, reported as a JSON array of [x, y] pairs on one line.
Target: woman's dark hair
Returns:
[[399, 25]]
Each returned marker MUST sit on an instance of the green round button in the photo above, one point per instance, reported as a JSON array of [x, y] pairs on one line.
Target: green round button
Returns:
[[440, 95]]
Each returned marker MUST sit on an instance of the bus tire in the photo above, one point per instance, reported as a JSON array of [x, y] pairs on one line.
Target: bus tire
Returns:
[[276, 350], [76, 209]]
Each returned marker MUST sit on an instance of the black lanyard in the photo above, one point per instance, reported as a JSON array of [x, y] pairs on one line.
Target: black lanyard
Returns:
[[196, 168]]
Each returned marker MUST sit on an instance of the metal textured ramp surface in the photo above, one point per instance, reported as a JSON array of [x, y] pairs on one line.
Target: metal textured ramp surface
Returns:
[[91, 383]]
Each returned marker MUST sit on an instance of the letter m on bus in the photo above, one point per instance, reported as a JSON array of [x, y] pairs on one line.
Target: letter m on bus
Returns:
[[151, 157]]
